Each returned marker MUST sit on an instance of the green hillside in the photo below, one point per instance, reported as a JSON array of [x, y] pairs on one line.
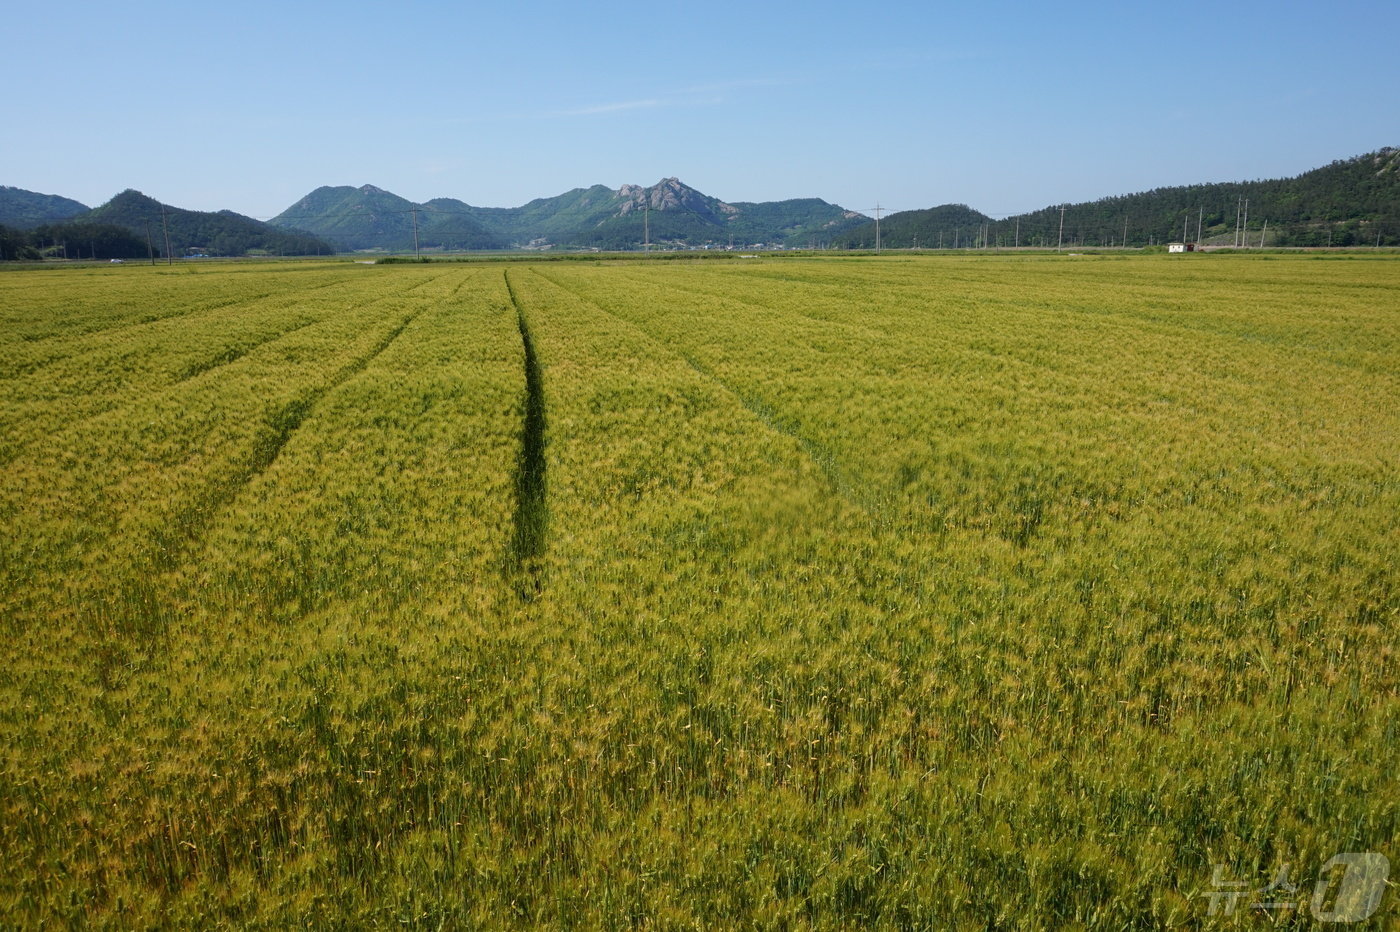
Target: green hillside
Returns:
[[554, 219], [947, 227], [23, 209], [797, 222], [372, 218], [1351, 202], [224, 233], [449, 224]]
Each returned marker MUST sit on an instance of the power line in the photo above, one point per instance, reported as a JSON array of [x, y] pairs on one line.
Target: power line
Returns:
[[877, 208]]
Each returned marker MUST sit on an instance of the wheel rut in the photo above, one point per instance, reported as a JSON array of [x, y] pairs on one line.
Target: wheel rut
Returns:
[[524, 561]]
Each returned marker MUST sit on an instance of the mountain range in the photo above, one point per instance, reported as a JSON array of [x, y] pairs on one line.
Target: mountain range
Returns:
[[668, 212], [1353, 201]]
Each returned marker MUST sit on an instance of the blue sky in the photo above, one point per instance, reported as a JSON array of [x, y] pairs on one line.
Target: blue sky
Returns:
[[1004, 106]]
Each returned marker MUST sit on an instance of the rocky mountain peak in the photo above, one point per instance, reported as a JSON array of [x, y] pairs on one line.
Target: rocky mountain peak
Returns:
[[668, 194]]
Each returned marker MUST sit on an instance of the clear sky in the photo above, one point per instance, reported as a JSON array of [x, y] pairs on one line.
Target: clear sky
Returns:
[[1004, 106]]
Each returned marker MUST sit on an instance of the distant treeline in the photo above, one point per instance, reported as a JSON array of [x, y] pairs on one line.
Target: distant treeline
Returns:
[[85, 240], [72, 241]]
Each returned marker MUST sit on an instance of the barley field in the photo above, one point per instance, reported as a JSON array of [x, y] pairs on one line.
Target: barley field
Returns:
[[882, 592]]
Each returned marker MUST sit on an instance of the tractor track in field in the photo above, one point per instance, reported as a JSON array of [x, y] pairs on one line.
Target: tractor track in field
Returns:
[[191, 523], [78, 334], [279, 424], [825, 459], [286, 420], [531, 515], [116, 402], [232, 354]]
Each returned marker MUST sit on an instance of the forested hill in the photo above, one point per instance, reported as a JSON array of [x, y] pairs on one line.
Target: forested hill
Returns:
[[368, 217], [1353, 202], [224, 233], [27, 209], [952, 226]]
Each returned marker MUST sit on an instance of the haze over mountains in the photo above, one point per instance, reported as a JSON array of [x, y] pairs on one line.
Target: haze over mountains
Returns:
[[1349, 202]]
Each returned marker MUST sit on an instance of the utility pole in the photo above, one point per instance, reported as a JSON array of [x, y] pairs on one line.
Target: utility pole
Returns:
[[1018, 232], [1061, 241], [877, 208], [646, 222], [169, 259], [1125, 231], [149, 248], [416, 254], [1200, 215], [1185, 227], [1264, 234], [1246, 224], [1238, 201]]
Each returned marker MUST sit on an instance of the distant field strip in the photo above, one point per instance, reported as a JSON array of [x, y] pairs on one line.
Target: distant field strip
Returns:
[[882, 592]]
